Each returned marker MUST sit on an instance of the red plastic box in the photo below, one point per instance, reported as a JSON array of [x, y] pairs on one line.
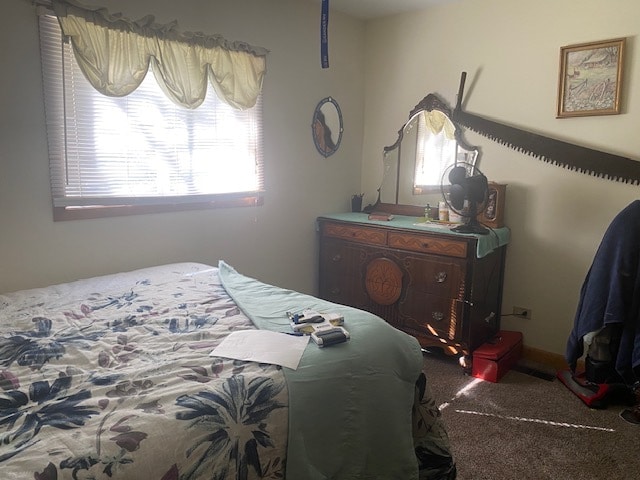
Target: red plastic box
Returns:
[[496, 357]]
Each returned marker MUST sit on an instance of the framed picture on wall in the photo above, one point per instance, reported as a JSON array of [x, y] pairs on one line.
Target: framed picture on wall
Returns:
[[590, 78]]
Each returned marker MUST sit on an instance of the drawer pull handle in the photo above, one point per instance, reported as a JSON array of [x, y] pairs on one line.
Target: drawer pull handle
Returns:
[[336, 258], [437, 316], [441, 277]]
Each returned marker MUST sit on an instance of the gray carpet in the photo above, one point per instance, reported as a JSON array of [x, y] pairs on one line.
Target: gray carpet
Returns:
[[525, 427]]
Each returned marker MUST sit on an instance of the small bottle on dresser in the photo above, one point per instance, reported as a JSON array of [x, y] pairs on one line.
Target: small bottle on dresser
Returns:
[[443, 212]]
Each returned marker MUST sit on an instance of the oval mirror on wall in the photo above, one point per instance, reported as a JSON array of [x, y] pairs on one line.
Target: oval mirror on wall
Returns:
[[327, 126]]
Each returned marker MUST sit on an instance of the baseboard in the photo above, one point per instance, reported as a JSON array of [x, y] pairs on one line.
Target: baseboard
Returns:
[[549, 359]]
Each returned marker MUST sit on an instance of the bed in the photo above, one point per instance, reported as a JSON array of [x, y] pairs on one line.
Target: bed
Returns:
[[112, 377]]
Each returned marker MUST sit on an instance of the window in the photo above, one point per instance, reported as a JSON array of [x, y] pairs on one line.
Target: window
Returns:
[[142, 152], [435, 150]]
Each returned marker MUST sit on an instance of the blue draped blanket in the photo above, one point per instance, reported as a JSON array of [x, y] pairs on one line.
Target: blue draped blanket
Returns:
[[610, 294]]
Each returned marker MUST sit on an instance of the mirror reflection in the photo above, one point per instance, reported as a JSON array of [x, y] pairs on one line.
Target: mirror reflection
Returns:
[[427, 144]]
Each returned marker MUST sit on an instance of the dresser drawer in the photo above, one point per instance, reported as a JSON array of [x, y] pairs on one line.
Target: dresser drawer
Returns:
[[436, 275], [428, 244], [437, 316], [370, 236], [341, 267], [342, 258], [344, 290]]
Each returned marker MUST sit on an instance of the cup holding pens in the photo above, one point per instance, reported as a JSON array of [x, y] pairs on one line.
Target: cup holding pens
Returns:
[[356, 202]]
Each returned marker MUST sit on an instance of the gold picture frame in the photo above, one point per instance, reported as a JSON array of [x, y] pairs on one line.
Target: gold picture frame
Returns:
[[590, 78]]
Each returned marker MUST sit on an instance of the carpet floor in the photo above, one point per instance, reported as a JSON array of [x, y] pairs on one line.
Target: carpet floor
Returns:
[[528, 427]]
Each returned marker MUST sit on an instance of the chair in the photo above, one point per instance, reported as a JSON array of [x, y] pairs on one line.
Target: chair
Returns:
[[608, 316]]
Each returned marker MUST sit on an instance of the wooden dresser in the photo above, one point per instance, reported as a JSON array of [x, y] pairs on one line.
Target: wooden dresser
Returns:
[[443, 288]]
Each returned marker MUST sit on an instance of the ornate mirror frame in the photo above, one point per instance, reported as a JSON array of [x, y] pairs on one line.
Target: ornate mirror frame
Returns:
[[398, 180], [327, 126]]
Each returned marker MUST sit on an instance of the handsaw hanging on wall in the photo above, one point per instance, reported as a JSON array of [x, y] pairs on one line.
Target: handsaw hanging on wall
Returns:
[[567, 155]]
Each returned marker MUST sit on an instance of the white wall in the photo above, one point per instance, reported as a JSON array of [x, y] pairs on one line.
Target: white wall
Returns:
[[510, 50], [277, 242]]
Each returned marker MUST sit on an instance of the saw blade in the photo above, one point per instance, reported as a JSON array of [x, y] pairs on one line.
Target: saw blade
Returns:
[[564, 154]]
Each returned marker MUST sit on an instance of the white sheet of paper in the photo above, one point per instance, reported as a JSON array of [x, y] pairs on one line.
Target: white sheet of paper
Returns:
[[263, 346]]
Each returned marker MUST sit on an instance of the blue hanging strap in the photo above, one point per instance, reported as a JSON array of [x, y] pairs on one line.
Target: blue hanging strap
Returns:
[[324, 34]]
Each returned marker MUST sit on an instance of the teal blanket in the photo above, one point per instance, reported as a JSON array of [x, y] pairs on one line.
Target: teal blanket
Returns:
[[351, 403]]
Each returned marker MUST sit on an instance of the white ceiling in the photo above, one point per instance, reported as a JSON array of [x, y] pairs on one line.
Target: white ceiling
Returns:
[[368, 9]]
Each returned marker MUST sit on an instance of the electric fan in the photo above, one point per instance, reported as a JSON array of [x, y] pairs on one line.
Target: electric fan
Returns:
[[468, 191]]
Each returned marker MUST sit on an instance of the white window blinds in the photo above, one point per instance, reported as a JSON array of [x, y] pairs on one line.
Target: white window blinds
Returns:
[[142, 148]]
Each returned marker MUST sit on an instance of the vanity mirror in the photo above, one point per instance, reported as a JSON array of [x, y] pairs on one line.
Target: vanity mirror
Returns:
[[428, 143]]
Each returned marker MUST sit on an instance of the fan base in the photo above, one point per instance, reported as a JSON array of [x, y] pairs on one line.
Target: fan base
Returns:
[[471, 228]]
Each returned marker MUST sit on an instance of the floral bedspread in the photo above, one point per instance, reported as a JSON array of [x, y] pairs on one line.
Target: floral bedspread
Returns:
[[111, 378]]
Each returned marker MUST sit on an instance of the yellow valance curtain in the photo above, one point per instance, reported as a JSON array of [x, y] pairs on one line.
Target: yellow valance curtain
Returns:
[[436, 121], [115, 53]]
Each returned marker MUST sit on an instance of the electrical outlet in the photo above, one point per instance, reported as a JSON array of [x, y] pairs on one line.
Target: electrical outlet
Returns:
[[522, 312]]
